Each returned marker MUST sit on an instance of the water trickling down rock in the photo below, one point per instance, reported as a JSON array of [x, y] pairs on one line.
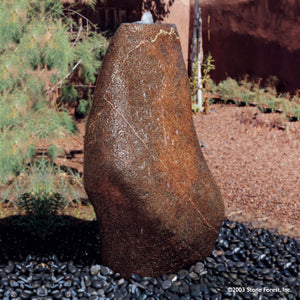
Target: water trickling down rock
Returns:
[[159, 209]]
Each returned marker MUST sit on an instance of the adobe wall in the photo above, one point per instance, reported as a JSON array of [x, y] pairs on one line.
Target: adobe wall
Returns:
[[180, 15], [255, 37]]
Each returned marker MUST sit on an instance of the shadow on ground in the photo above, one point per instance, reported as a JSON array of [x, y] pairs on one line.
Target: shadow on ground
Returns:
[[67, 237]]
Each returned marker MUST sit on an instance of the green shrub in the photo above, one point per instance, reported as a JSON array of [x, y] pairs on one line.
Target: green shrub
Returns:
[[296, 112], [38, 55], [84, 106], [42, 191], [40, 210], [228, 89], [247, 96], [264, 98], [41, 205], [43, 176]]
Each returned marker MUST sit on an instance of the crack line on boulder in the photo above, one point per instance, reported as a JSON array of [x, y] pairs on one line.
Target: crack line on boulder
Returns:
[[164, 165], [172, 32], [161, 32]]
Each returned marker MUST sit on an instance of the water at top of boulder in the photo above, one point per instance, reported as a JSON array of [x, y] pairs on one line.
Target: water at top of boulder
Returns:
[[146, 18]]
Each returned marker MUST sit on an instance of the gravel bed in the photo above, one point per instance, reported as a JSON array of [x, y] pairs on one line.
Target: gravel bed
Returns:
[[245, 264]]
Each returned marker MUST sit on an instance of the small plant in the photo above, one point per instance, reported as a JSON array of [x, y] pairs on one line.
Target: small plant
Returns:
[[272, 102], [296, 112], [247, 97], [42, 175], [40, 210], [84, 106], [265, 98], [227, 89], [41, 205], [42, 191], [207, 66], [195, 108]]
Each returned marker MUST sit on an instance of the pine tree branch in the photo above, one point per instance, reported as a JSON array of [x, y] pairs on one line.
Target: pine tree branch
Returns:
[[62, 80], [78, 35], [82, 16], [58, 84], [84, 85]]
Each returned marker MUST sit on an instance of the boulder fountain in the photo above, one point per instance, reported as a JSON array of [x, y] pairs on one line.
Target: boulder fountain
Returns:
[[157, 204]]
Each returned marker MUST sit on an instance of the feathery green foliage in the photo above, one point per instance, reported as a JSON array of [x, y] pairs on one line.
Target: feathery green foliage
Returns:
[[37, 55], [41, 196], [265, 98], [42, 177]]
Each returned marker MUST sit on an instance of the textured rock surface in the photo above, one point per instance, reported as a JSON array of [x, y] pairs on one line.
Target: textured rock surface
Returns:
[[158, 206]]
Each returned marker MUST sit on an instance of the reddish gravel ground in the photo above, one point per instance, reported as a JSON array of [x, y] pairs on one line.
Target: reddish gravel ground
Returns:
[[255, 160]]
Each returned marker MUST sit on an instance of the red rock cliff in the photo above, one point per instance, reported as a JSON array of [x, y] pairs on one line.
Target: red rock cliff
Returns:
[[255, 37]]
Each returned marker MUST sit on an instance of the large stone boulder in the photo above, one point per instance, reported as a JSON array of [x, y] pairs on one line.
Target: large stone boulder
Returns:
[[158, 207]]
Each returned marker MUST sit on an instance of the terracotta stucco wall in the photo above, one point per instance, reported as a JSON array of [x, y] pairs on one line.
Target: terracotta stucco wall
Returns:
[[256, 37], [180, 16]]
